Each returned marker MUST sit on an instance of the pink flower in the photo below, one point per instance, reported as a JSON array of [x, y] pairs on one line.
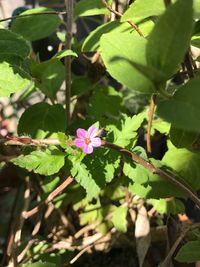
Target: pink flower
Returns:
[[87, 140]]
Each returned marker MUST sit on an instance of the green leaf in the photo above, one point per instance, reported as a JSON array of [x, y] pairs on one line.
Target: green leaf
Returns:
[[142, 9], [82, 175], [41, 120], [107, 96], [92, 41], [40, 264], [13, 48], [128, 131], [46, 162], [182, 138], [50, 184], [186, 163], [170, 38], [119, 219], [12, 79], [119, 61], [51, 75], [36, 27], [190, 252], [90, 8], [183, 109], [65, 53], [168, 206]]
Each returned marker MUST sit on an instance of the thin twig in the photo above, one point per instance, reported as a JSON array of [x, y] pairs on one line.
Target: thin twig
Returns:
[[34, 14], [174, 179], [68, 44], [120, 15], [166, 261], [50, 197], [150, 119]]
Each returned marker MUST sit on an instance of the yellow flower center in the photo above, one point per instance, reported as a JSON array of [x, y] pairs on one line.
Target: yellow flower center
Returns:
[[87, 141]]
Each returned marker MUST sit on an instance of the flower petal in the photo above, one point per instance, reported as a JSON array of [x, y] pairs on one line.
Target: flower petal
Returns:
[[96, 142], [92, 132], [88, 149], [79, 142], [81, 133]]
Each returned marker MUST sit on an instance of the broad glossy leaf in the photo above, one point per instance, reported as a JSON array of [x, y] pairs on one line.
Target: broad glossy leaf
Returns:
[[92, 42], [12, 79], [36, 27], [119, 51], [42, 119], [183, 109], [46, 162], [185, 163], [90, 8], [181, 138], [13, 47], [51, 75], [170, 38], [190, 252], [142, 9]]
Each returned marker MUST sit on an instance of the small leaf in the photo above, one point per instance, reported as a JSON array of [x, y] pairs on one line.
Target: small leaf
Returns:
[[42, 119], [168, 206], [36, 27], [12, 79], [46, 162], [65, 53], [119, 219], [190, 252]]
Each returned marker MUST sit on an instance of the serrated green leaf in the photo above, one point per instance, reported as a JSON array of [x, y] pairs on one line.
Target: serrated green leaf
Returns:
[[128, 131], [83, 176], [183, 109], [12, 79], [119, 61], [142, 9], [90, 8], [13, 48], [36, 27], [45, 119], [190, 252], [92, 42], [170, 38], [46, 162], [119, 219]]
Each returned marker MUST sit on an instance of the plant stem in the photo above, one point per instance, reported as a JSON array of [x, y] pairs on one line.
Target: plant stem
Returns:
[[34, 14], [168, 176], [68, 44], [150, 120]]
